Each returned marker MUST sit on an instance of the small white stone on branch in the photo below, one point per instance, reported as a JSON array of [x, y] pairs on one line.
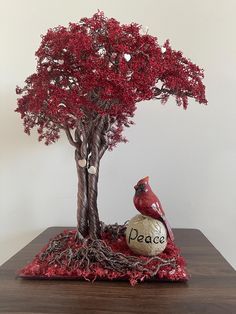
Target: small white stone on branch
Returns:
[[82, 163], [163, 49], [102, 51], [92, 170], [127, 57]]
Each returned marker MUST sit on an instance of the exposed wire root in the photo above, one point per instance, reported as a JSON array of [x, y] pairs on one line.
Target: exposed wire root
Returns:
[[97, 252]]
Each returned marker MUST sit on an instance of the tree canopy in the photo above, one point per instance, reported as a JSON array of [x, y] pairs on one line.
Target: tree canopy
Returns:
[[99, 67]]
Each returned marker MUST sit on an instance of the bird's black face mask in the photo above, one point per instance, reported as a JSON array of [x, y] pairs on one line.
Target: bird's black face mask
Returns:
[[141, 188]]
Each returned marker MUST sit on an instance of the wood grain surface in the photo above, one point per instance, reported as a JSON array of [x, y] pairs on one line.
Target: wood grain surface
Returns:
[[211, 289]]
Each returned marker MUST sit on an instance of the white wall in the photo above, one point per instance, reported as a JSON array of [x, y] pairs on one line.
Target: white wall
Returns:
[[189, 155]]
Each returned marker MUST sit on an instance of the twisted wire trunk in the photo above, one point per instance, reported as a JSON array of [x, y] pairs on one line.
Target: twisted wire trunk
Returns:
[[82, 199], [89, 150], [94, 161], [93, 217]]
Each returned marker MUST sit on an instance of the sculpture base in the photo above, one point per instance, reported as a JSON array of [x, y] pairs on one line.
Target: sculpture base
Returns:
[[64, 257]]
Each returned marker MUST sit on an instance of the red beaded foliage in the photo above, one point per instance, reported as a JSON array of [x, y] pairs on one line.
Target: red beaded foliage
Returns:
[[101, 67]]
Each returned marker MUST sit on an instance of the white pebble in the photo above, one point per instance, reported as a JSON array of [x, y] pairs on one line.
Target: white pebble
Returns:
[[82, 163], [163, 49], [102, 51], [92, 170], [127, 57], [49, 68], [61, 62]]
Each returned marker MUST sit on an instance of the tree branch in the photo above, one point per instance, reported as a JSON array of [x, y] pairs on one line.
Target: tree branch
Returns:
[[159, 91], [104, 139], [102, 150], [69, 136]]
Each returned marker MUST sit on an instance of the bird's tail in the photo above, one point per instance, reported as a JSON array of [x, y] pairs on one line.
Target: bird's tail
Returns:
[[169, 230]]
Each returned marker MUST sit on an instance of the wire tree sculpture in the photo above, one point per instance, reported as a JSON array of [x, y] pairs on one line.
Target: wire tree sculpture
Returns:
[[89, 78]]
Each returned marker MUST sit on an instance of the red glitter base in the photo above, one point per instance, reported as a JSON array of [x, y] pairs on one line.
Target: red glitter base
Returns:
[[42, 269]]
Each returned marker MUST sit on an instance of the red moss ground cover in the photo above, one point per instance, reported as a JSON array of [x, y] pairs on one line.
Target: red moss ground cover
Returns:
[[107, 259]]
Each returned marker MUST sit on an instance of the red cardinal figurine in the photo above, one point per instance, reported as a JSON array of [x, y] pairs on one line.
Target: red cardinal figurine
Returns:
[[148, 204]]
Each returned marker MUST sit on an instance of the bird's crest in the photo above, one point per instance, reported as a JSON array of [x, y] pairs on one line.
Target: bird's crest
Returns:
[[143, 181]]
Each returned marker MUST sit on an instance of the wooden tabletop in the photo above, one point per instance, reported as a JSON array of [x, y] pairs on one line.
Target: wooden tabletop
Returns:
[[211, 289]]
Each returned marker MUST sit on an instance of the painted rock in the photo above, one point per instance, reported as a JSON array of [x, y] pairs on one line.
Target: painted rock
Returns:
[[146, 236]]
